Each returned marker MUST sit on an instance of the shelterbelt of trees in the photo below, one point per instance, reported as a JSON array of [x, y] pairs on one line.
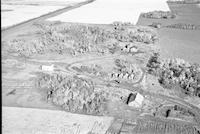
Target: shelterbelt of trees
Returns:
[[62, 38], [159, 15], [184, 26], [73, 94], [173, 72]]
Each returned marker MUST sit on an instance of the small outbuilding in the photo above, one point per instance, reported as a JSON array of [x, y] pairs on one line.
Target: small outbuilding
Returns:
[[47, 68], [133, 49], [135, 100], [156, 25]]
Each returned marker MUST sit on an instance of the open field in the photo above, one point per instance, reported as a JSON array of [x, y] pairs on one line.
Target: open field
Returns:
[[12, 30], [106, 12], [21, 11], [40, 2], [179, 43], [34, 121]]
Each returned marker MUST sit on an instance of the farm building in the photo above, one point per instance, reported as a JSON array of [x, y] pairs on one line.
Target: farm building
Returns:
[[47, 68], [135, 100]]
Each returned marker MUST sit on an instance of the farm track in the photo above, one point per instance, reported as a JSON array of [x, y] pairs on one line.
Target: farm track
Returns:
[[68, 69], [181, 102]]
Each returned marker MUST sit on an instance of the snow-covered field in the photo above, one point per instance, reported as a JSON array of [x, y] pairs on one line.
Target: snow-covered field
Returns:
[[14, 12], [99, 12], [40, 2], [22, 13], [37, 121], [107, 11]]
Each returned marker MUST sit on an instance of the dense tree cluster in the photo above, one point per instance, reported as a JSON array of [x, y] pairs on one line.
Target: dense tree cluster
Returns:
[[126, 70], [140, 34], [159, 15], [118, 25], [73, 94], [92, 35], [94, 70], [184, 26], [22, 48], [73, 38], [156, 25], [121, 63], [76, 39], [126, 67], [154, 64], [176, 71], [175, 111], [44, 44]]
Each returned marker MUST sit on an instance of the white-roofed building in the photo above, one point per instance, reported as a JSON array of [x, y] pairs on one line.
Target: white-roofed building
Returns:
[[138, 101], [48, 68]]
